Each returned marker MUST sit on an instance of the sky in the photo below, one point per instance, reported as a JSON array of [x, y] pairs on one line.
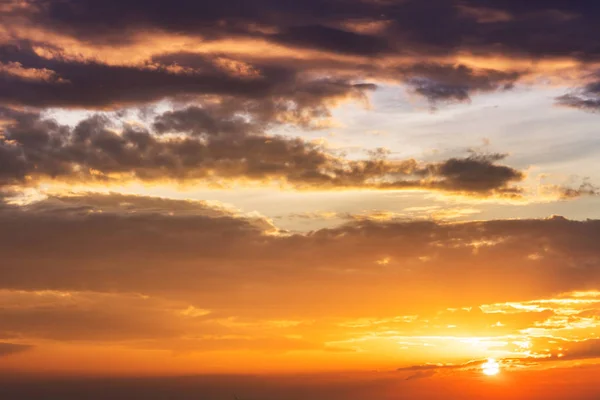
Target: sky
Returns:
[[317, 199]]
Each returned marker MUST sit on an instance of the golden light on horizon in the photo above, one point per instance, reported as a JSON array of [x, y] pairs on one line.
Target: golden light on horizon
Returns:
[[491, 367]]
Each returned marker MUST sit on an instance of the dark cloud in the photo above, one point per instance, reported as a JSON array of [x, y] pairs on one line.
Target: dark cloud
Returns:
[[7, 349], [477, 173], [90, 19], [335, 40], [586, 98], [203, 121], [89, 84], [586, 188], [307, 107], [364, 30], [219, 144], [446, 83], [440, 26]]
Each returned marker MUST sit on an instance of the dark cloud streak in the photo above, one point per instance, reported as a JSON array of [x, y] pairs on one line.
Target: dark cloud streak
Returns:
[[6, 349]]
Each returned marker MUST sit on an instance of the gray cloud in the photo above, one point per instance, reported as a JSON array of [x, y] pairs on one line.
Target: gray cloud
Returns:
[[219, 144], [477, 173], [447, 83], [586, 98], [586, 188]]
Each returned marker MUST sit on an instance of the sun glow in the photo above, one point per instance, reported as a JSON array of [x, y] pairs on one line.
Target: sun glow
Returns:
[[491, 367]]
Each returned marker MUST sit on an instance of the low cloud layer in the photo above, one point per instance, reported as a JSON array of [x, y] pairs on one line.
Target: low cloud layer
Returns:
[[553, 255]]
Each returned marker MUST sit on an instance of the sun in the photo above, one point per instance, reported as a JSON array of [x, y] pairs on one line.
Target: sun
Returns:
[[491, 367]]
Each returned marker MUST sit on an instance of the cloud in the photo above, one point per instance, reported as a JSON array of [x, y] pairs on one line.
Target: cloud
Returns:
[[412, 213], [332, 39], [569, 351], [447, 83], [7, 349], [584, 189], [308, 107], [83, 55], [435, 367], [477, 173], [193, 276], [484, 14], [215, 145], [218, 259], [583, 350], [15, 69], [586, 98], [92, 84], [497, 26], [78, 204]]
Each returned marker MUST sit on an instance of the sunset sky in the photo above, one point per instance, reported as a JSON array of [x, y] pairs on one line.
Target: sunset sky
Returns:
[[300, 199]]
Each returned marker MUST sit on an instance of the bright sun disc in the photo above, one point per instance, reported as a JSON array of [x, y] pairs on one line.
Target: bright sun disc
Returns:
[[491, 367]]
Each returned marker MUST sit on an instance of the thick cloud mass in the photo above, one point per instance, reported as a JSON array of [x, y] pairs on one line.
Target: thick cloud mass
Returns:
[[532, 28], [73, 53]]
